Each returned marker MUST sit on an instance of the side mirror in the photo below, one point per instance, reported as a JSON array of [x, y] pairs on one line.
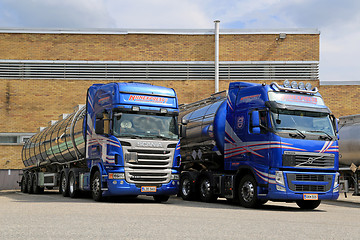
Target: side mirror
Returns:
[[337, 125], [182, 131], [99, 126], [335, 122], [255, 122], [102, 124], [184, 121]]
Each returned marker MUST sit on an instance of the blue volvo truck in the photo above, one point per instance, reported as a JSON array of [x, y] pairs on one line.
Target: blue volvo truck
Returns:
[[258, 142], [124, 141]]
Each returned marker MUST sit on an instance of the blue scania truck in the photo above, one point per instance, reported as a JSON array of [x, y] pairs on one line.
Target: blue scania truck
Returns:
[[259, 142], [124, 141]]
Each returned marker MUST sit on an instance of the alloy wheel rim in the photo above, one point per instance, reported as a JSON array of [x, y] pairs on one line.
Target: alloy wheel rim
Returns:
[[247, 191], [205, 187], [186, 187]]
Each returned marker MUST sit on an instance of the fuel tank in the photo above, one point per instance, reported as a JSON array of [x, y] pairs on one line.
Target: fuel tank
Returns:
[[203, 124], [62, 142], [349, 143]]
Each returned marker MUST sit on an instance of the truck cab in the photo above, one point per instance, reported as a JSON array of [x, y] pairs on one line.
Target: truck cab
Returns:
[[132, 139], [261, 142], [288, 138]]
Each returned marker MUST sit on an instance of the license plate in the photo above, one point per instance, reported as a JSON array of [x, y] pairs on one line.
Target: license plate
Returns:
[[148, 189], [310, 196]]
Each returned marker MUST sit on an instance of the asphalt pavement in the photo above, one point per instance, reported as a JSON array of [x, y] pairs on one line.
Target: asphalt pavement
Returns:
[[343, 197], [348, 197]]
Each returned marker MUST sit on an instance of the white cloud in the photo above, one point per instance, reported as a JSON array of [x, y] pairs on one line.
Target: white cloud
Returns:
[[158, 14], [338, 21]]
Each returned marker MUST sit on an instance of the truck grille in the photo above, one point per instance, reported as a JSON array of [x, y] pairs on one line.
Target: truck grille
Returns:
[[306, 182], [148, 165], [309, 188], [304, 159], [309, 177]]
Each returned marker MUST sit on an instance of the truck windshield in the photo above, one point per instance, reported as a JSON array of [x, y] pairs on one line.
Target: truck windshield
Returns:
[[303, 123], [145, 126]]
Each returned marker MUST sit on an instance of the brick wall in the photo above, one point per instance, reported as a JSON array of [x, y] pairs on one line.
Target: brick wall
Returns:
[[25, 105], [150, 47], [10, 157], [342, 100]]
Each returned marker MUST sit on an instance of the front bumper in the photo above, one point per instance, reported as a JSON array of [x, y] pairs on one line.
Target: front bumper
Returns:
[[121, 188], [299, 183]]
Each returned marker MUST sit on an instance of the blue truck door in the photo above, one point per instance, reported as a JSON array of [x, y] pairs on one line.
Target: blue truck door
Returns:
[[258, 146]]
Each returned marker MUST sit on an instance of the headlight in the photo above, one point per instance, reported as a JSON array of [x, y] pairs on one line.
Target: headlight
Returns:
[[174, 177], [279, 178], [116, 175]]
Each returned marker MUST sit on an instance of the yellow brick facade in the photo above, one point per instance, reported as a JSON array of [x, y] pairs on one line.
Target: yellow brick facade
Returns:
[[342, 100], [26, 105], [10, 157], [157, 47]]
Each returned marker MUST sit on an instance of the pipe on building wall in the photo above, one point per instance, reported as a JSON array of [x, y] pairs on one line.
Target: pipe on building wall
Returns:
[[217, 22]]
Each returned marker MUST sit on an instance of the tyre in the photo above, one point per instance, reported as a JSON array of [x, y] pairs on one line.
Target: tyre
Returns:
[[186, 187], [73, 191], [23, 186], [308, 204], [96, 192], [64, 185], [36, 188], [206, 190], [29, 183], [247, 192], [161, 198]]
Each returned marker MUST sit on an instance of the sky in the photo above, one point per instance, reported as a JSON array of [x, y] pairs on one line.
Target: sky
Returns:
[[337, 20]]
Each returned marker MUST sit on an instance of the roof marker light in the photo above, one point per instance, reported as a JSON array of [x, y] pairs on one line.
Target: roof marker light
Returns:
[[308, 86], [287, 83], [135, 108], [301, 86]]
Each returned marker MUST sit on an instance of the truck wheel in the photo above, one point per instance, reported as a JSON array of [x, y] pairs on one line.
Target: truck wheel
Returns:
[[308, 204], [205, 190], [64, 186], [36, 188], [161, 198], [96, 187], [24, 184], [248, 192], [73, 191], [29, 183], [186, 186]]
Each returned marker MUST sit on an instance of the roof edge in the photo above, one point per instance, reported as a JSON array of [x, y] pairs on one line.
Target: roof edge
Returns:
[[119, 31]]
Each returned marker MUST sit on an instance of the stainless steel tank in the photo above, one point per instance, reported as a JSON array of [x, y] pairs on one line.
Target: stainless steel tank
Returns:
[[200, 126], [61, 142], [349, 143]]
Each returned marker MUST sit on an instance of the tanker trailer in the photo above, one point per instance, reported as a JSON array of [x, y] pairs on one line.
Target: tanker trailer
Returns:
[[349, 148], [258, 142], [124, 141]]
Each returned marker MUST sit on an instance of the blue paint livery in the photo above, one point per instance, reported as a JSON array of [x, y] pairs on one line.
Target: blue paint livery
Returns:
[[286, 162], [104, 153]]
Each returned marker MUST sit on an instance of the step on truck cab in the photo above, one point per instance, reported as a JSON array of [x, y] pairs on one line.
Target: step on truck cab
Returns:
[[124, 141], [258, 142]]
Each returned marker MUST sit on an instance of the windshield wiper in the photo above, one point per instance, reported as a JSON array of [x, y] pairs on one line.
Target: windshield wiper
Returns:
[[325, 137], [158, 136], [129, 135], [294, 129]]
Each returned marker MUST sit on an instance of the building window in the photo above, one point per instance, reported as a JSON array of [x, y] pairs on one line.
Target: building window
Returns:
[[8, 139], [14, 138]]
